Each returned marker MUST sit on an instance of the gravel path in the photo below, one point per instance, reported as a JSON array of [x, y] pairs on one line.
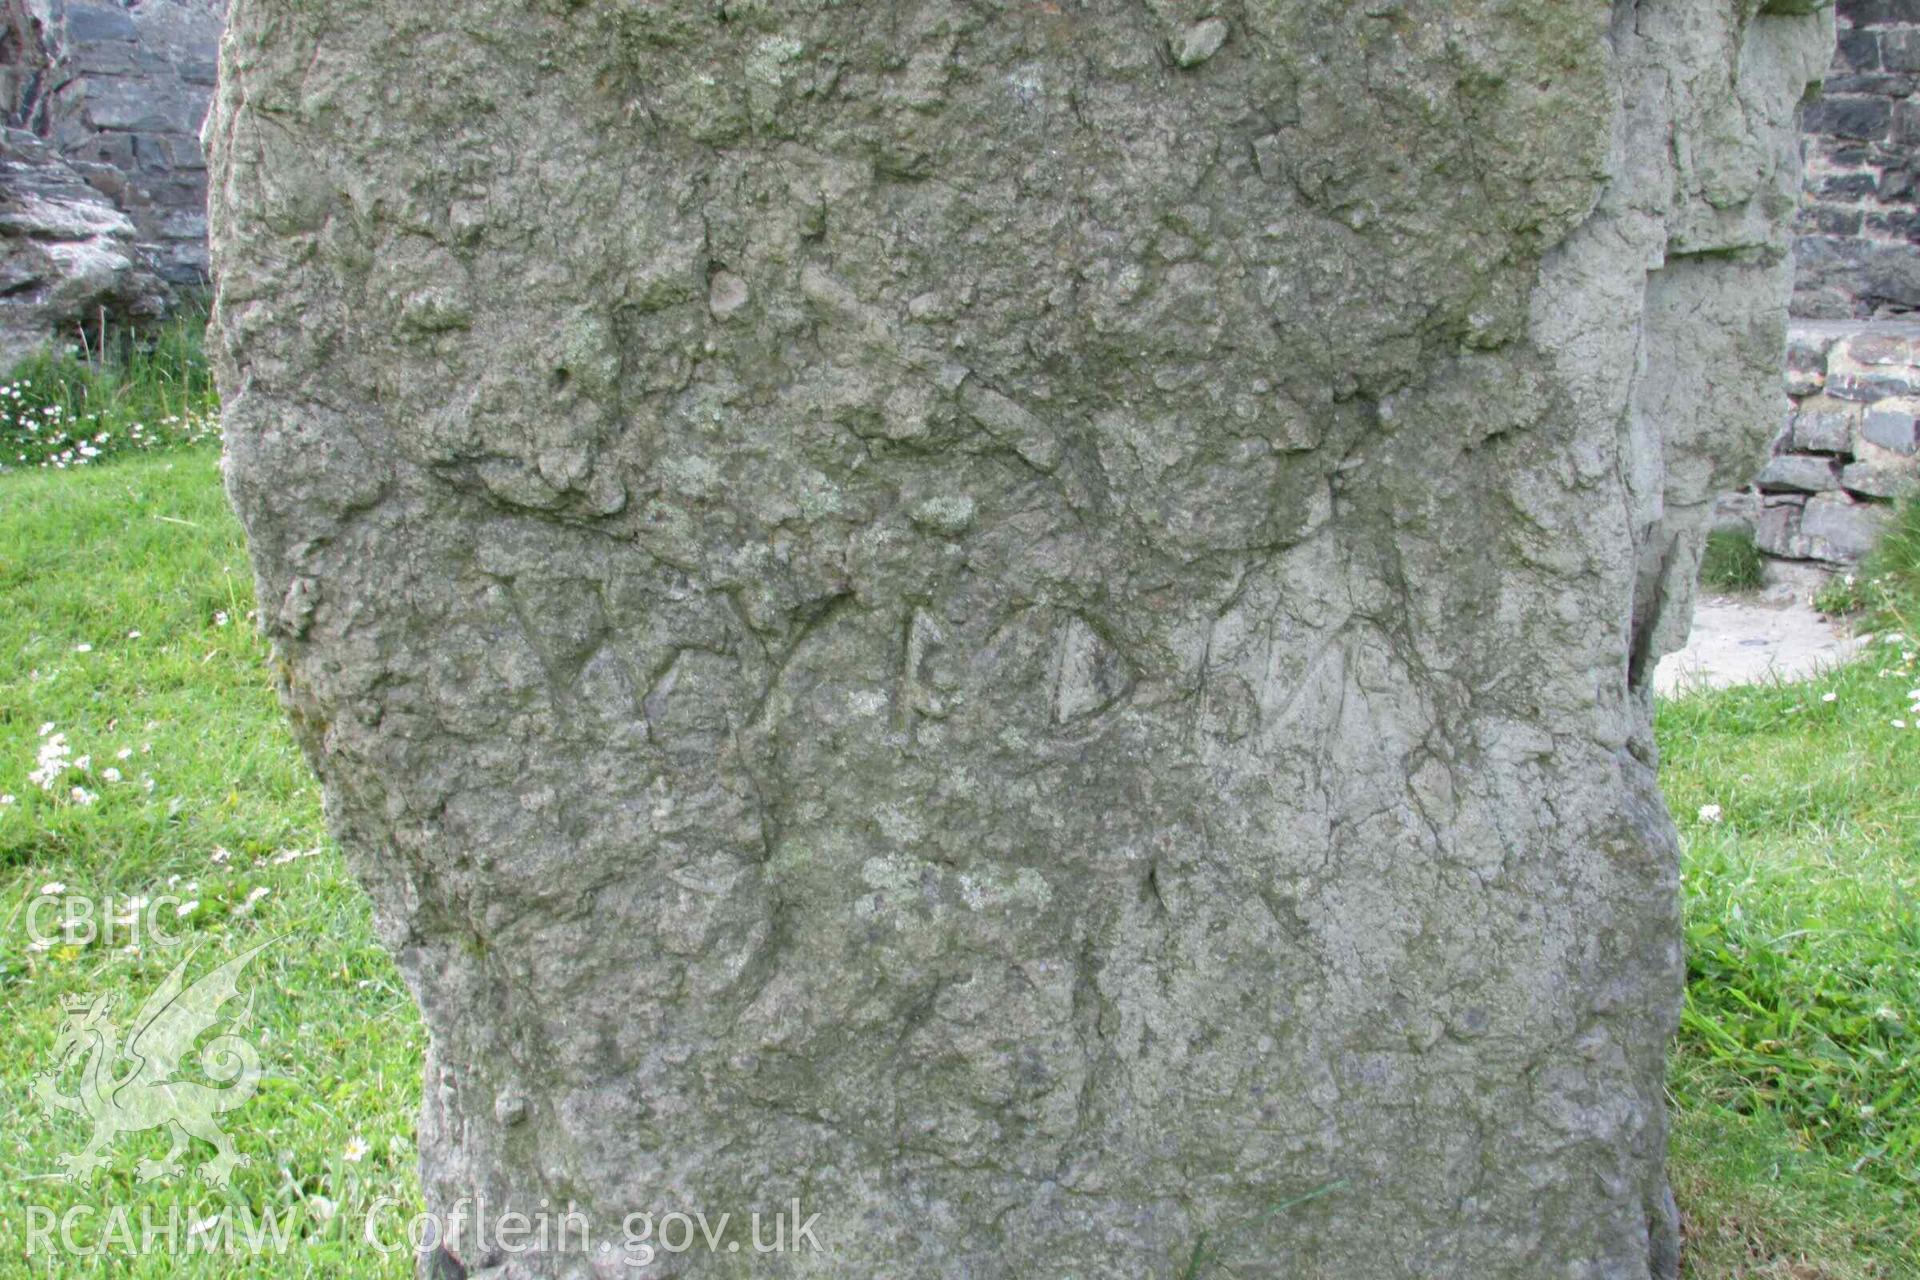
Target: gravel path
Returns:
[[1747, 641]]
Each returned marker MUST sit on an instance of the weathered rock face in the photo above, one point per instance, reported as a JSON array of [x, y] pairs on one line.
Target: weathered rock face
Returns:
[[1029, 624], [104, 209], [119, 89], [66, 254]]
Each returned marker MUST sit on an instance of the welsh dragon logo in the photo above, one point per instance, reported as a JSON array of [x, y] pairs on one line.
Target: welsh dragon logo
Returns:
[[132, 1089]]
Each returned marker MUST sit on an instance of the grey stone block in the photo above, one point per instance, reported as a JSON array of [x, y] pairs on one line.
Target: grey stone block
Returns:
[[1892, 276], [1866, 388], [1863, 118], [1891, 428], [1807, 347], [1859, 50], [1799, 472], [1777, 529], [1901, 50], [112, 149], [1824, 426], [1839, 530], [1877, 348], [134, 107], [100, 22], [1873, 481], [1788, 582]]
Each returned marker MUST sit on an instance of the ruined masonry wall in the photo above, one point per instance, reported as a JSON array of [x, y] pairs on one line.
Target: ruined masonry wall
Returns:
[[1848, 447], [119, 89]]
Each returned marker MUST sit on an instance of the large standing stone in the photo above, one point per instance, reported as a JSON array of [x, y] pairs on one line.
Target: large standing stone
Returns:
[[1031, 623]]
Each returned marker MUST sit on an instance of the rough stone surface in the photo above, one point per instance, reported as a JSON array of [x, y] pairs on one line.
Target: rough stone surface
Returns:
[[1852, 429], [1873, 481], [1776, 529], [119, 91], [1799, 472], [1829, 528], [1825, 426], [1837, 527], [1200, 41], [1860, 226], [920, 608], [1892, 426], [66, 254]]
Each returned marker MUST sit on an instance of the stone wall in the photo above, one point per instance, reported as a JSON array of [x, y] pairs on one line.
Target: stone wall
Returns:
[[1849, 445], [1847, 448], [1858, 230], [119, 88], [67, 255]]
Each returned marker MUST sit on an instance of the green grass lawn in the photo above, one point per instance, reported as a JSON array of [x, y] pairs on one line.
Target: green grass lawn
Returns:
[[125, 635], [153, 391], [1798, 1080]]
